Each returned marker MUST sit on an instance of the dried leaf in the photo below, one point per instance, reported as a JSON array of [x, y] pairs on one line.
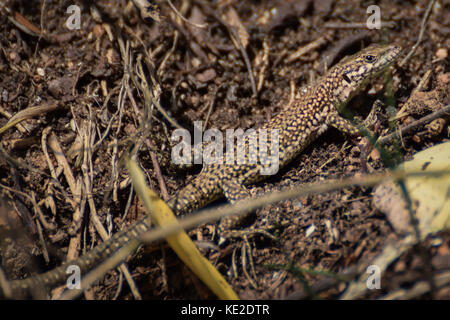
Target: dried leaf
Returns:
[[429, 195]]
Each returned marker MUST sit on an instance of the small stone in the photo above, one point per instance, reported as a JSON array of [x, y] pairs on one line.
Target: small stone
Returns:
[[442, 53], [40, 72], [207, 75], [14, 56], [98, 30]]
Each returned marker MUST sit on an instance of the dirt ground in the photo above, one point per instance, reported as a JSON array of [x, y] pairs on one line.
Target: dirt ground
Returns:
[[86, 97]]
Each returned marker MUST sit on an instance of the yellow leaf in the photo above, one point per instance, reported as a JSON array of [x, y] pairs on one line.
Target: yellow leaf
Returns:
[[180, 242], [429, 194]]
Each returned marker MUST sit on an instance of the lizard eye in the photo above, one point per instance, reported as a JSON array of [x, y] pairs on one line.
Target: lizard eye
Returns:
[[369, 58]]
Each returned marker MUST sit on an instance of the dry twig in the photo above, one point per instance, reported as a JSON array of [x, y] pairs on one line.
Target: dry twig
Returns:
[[422, 30], [407, 129]]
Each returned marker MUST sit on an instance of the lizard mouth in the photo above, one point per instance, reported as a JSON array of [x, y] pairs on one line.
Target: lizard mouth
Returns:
[[392, 54]]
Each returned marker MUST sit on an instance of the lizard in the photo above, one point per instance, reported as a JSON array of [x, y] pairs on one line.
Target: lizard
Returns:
[[314, 110]]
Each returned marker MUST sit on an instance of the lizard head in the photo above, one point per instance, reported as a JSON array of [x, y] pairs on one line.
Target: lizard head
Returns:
[[353, 73]]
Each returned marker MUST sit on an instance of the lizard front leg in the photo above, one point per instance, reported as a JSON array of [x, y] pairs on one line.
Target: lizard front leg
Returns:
[[343, 125], [351, 130]]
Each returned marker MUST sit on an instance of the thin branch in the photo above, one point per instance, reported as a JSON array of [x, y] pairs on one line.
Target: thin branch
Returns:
[[235, 35], [422, 30], [243, 207], [183, 18], [407, 129]]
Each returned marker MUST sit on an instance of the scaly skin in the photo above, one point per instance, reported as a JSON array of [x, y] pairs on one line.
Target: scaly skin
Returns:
[[298, 125]]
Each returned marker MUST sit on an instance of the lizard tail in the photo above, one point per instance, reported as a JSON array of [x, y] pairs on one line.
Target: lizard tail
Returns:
[[38, 284]]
